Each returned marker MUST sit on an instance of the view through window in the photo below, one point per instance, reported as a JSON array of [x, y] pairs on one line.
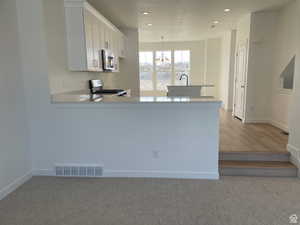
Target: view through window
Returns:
[[146, 71], [158, 69]]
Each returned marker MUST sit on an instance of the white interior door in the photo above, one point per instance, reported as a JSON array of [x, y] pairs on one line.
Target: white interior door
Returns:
[[241, 80]]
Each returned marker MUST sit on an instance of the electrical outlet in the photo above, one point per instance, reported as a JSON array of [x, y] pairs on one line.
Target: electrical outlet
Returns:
[[155, 154]]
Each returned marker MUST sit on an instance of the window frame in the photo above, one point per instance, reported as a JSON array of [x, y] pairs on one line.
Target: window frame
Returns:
[[286, 91], [156, 71], [173, 71], [152, 70], [177, 71]]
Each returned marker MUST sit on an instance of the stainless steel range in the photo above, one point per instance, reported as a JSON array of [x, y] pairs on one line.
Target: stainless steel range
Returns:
[[96, 87]]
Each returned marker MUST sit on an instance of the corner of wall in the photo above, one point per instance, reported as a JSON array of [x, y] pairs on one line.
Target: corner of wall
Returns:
[[14, 185], [295, 155]]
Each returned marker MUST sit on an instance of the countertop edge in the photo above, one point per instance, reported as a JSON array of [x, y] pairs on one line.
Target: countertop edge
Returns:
[[125, 102], [105, 99]]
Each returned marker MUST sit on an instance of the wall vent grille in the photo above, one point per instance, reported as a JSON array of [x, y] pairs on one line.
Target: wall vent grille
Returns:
[[78, 170]]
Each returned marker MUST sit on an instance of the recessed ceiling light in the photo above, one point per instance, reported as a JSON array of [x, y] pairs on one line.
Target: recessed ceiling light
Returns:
[[216, 22], [146, 13], [149, 24], [227, 10]]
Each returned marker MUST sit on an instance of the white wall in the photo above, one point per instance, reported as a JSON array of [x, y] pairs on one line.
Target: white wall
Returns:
[[129, 78], [205, 60], [285, 47], [260, 66], [61, 79], [272, 43], [227, 69], [294, 141], [33, 51], [243, 28], [15, 165], [213, 66], [134, 139]]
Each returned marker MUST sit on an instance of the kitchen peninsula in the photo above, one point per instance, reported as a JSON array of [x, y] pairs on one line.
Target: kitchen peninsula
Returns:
[[173, 137]]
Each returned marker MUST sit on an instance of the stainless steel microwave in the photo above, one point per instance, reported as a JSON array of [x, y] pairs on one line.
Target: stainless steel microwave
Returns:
[[109, 61]]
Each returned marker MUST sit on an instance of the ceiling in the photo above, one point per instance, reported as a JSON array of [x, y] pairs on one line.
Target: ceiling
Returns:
[[180, 20]]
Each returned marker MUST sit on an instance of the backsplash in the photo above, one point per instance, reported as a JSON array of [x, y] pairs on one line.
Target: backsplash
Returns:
[[66, 81]]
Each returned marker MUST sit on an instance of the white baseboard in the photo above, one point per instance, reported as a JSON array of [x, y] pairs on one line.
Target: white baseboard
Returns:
[[43, 173], [162, 174], [14, 185], [146, 174], [256, 121], [295, 154], [272, 122], [279, 125]]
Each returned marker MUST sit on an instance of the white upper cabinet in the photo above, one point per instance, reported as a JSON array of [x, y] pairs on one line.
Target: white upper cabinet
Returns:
[[92, 44], [88, 32], [122, 45]]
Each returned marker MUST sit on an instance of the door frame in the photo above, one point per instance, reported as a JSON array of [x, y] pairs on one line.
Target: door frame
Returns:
[[241, 43]]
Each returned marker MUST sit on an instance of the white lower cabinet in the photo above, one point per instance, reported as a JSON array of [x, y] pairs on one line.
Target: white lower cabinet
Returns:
[[88, 32]]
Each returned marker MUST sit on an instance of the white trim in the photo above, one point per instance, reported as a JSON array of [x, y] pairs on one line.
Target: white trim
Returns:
[[146, 174], [44, 173], [295, 154], [162, 174], [279, 125], [14, 185], [256, 121], [282, 91], [245, 42], [272, 122]]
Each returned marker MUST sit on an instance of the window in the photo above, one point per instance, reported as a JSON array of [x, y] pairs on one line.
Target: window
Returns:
[[287, 76], [181, 65], [159, 69], [146, 71], [163, 62]]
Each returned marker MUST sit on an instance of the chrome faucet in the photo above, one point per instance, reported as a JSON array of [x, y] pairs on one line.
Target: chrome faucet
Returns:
[[187, 78]]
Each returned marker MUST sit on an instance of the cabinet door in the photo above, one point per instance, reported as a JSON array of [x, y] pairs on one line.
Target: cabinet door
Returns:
[[122, 46], [101, 30], [96, 45], [114, 43], [107, 38], [117, 43], [88, 24]]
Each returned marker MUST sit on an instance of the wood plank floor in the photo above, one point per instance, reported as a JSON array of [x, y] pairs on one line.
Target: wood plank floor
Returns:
[[238, 137], [264, 164]]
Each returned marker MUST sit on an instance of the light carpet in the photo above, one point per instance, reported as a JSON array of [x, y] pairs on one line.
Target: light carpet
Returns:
[[231, 200]]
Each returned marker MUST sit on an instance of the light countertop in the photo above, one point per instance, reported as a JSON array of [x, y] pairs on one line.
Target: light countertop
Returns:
[[87, 98], [193, 86]]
